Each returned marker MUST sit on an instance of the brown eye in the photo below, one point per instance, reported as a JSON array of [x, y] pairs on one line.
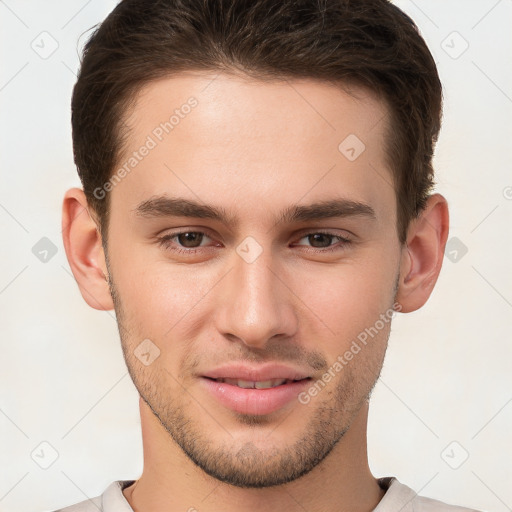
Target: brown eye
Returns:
[[184, 242], [320, 240], [190, 239], [323, 241]]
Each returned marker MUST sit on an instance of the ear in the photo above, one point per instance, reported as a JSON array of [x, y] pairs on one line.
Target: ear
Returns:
[[82, 241], [422, 255]]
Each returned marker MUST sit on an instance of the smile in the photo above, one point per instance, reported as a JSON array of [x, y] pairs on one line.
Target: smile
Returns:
[[247, 384], [254, 397]]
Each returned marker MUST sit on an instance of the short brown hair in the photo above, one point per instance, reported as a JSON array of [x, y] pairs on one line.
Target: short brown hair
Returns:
[[370, 43]]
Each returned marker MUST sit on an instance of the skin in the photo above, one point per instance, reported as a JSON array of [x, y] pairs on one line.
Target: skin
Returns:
[[254, 148]]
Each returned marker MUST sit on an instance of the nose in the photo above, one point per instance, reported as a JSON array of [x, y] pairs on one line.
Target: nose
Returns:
[[255, 302]]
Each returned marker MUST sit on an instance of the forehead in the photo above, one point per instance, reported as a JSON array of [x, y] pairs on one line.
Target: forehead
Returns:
[[228, 101], [231, 139]]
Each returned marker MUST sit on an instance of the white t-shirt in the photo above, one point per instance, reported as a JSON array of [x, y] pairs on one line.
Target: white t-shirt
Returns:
[[398, 498]]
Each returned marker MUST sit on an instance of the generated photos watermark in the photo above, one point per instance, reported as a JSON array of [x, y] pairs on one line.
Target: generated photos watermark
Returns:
[[343, 359], [156, 136]]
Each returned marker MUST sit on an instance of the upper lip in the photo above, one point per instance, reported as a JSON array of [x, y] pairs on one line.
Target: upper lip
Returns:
[[257, 373]]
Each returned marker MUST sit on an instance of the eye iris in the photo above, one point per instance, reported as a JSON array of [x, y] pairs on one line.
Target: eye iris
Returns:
[[327, 239], [190, 237]]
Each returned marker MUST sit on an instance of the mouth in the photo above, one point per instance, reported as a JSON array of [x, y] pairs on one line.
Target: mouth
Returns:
[[257, 397], [262, 384]]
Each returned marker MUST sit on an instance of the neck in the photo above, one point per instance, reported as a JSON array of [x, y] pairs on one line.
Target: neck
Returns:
[[171, 482]]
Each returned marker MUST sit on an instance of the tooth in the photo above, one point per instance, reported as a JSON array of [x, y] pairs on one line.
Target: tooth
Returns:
[[246, 384], [233, 382], [264, 384], [269, 383]]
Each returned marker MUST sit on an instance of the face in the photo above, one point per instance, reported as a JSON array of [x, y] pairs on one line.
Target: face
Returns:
[[249, 248]]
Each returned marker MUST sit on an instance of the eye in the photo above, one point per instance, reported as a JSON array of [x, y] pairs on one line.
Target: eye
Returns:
[[189, 241], [321, 241]]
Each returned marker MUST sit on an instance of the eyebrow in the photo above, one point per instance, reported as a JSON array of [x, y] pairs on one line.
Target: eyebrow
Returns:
[[164, 206]]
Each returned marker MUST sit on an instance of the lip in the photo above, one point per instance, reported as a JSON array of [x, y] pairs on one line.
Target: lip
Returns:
[[257, 373], [255, 401]]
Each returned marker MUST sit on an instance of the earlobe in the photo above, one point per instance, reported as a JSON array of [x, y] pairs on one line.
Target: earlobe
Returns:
[[422, 255], [84, 250]]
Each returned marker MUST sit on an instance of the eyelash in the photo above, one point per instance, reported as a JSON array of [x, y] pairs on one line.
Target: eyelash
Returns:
[[165, 241]]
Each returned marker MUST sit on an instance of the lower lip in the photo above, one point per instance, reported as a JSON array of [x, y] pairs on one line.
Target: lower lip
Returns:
[[254, 401]]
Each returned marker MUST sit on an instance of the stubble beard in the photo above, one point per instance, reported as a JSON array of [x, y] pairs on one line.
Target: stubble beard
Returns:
[[247, 466]]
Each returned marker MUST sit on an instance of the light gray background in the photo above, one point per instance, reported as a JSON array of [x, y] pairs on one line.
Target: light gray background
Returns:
[[447, 377]]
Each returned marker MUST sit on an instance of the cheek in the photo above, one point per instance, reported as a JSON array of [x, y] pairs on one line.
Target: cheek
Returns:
[[159, 299], [348, 298], [335, 301]]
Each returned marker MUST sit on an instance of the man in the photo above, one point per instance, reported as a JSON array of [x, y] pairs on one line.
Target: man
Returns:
[[256, 206]]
